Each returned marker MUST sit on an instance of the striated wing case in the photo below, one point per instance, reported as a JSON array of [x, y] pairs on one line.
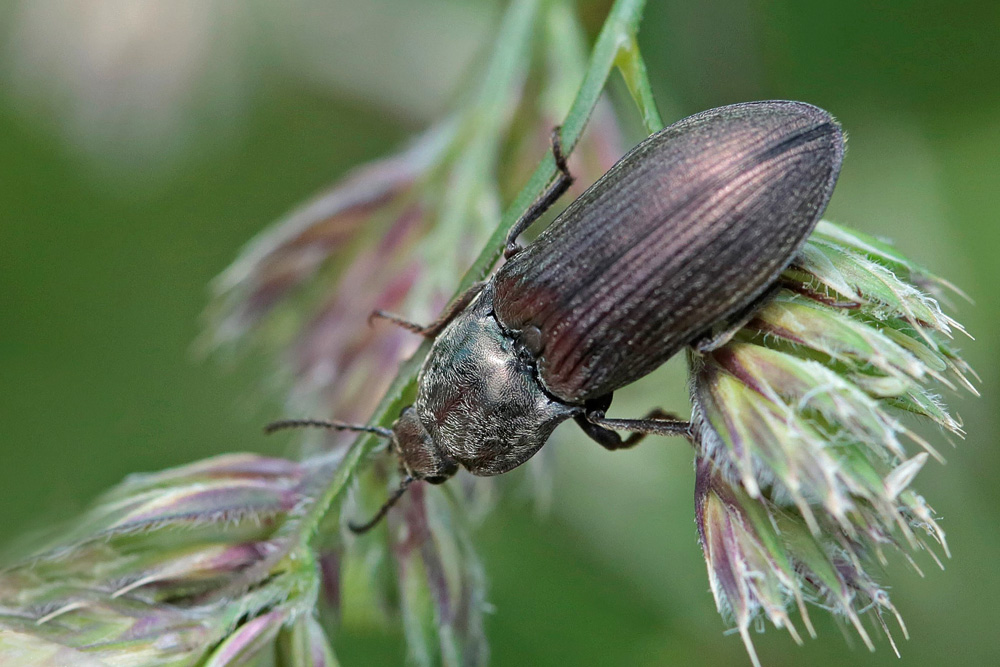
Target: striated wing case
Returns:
[[686, 230]]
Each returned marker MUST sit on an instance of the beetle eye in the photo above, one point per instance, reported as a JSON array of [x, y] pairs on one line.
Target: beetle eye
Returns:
[[437, 479]]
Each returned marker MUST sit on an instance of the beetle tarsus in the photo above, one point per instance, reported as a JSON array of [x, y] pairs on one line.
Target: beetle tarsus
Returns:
[[555, 139], [359, 528], [556, 190]]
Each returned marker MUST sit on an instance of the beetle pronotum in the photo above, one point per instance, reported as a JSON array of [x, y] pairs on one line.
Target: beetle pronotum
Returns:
[[675, 245]]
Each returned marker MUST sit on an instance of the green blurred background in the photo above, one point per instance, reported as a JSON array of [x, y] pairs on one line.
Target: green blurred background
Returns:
[[142, 143]]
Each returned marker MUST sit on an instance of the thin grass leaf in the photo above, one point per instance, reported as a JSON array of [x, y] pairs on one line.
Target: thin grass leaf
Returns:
[[884, 253], [304, 644], [804, 322], [248, 640]]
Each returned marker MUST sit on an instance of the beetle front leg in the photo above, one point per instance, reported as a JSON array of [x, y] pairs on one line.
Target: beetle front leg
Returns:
[[604, 431], [559, 186], [438, 325]]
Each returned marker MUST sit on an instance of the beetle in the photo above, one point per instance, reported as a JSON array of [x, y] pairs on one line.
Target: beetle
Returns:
[[675, 246]]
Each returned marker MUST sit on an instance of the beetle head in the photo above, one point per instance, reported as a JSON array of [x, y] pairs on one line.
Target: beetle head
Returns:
[[419, 459], [418, 455]]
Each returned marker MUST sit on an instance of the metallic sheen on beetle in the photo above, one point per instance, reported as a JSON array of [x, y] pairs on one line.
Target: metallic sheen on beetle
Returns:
[[675, 246]]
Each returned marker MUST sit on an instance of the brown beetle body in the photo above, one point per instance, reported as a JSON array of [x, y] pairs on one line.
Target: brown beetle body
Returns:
[[684, 233]]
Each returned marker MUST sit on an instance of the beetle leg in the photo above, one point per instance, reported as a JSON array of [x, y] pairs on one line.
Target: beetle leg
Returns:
[[359, 528], [556, 190], [816, 295], [713, 341], [605, 437], [603, 430], [438, 325]]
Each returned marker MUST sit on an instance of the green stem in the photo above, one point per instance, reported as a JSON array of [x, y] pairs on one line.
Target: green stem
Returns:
[[566, 51], [618, 32], [617, 37], [484, 124], [633, 69]]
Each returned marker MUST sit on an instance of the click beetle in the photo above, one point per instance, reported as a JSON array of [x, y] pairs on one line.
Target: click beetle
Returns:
[[675, 246]]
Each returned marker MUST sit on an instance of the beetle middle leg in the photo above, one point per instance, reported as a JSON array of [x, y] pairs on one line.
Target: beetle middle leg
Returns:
[[604, 431], [438, 325], [559, 186]]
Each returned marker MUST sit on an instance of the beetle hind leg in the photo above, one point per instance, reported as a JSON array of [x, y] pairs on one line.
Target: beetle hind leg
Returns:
[[713, 340], [564, 179], [605, 431]]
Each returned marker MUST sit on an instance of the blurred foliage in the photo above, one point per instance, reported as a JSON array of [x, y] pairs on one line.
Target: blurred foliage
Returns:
[[105, 253]]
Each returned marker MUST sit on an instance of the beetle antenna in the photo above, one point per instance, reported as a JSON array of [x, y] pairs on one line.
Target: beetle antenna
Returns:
[[359, 528], [323, 423]]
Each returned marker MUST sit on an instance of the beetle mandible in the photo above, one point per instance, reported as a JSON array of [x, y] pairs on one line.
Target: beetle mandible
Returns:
[[675, 246]]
